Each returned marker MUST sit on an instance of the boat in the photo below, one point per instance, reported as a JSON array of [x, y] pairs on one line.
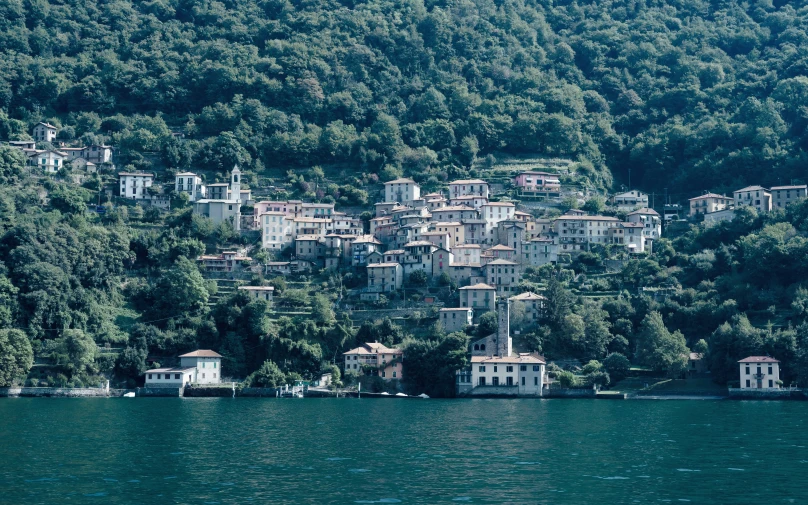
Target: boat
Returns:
[[129, 395]]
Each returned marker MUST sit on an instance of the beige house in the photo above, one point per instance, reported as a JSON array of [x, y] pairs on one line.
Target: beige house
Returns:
[[465, 187], [385, 277], [753, 196], [44, 132], [708, 203], [401, 190], [259, 292], [455, 319], [504, 275], [539, 251], [784, 195], [533, 304], [466, 254], [220, 211], [480, 297], [576, 232], [455, 229], [207, 365], [383, 361], [760, 372]]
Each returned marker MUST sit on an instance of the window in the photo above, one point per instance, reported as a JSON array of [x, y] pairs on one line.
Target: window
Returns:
[[394, 375], [771, 383], [203, 376], [150, 376], [482, 381], [535, 381], [747, 369], [770, 370], [176, 376], [158, 376], [523, 381], [536, 368], [495, 368], [523, 368], [509, 369], [383, 373], [509, 381]]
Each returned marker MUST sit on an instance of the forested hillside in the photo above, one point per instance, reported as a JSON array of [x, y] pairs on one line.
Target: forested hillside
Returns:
[[687, 95]]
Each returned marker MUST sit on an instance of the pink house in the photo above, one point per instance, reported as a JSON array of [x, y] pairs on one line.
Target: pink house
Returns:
[[538, 184]]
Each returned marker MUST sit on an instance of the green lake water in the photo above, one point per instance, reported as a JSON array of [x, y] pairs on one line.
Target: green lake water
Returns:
[[236, 451]]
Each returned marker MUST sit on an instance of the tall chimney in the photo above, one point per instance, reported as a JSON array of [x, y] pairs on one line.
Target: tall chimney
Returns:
[[503, 327]]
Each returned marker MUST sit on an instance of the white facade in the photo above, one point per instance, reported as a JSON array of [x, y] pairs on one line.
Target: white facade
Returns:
[[170, 377], [49, 161], [385, 362], [759, 372], [384, 277], [191, 184], [207, 366], [630, 200], [753, 196], [44, 132], [651, 221], [134, 185], [276, 230], [259, 292], [220, 211], [523, 370], [468, 187], [401, 190]]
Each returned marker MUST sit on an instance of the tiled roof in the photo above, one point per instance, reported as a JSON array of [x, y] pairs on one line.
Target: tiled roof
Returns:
[[759, 359], [202, 353], [480, 286], [520, 359]]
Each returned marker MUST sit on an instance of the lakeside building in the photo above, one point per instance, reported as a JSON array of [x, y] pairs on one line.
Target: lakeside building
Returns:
[[496, 370], [202, 366], [759, 372], [376, 359]]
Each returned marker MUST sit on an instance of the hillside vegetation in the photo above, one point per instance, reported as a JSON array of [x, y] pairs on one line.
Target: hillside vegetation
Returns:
[[687, 95]]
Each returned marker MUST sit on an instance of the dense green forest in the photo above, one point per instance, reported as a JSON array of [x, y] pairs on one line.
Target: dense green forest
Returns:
[[685, 96]]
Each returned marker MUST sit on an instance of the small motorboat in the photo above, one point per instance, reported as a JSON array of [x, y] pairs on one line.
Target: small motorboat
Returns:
[[129, 395]]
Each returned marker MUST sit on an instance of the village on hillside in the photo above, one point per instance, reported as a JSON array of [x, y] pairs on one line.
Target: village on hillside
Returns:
[[457, 253]]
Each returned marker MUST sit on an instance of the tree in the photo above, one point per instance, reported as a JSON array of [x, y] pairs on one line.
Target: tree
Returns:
[[660, 349], [566, 379], [321, 311], [268, 376], [701, 347], [594, 205], [559, 302], [179, 291], [418, 278], [488, 324], [431, 365], [12, 162], [16, 356], [68, 200], [81, 350], [131, 363], [617, 365]]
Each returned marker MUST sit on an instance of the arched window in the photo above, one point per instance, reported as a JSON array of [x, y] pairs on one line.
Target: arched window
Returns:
[[482, 347], [476, 347]]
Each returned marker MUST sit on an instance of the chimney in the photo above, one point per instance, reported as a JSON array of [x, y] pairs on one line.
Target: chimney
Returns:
[[503, 327]]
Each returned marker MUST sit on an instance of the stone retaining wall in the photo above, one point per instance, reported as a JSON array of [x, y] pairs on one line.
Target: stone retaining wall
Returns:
[[258, 392], [200, 392], [763, 394], [29, 392], [159, 392], [569, 393]]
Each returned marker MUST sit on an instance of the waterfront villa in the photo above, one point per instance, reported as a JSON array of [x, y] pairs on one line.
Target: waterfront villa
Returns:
[[175, 377], [496, 370], [383, 361], [199, 367], [760, 372]]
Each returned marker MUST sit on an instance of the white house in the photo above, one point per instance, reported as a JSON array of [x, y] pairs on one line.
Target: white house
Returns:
[[384, 277], [630, 200], [133, 185], [753, 196], [191, 184], [759, 372], [259, 292], [49, 161], [175, 377], [401, 190], [465, 187], [207, 366], [276, 230], [224, 209], [44, 132]]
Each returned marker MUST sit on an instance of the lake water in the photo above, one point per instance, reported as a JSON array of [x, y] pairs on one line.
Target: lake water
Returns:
[[236, 451]]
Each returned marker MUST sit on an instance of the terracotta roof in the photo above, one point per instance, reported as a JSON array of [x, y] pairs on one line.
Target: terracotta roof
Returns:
[[466, 246], [499, 204], [479, 286], [645, 210], [417, 243], [136, 173], [401, 181], [174, 369], [257, 288], [759, 359], [186, 173], [202, 353], [468, 181], [465, 309], [587, 218], [502, 262], [394, 251], [501, 247], [528, 296], [453, 207], [520, 359]]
